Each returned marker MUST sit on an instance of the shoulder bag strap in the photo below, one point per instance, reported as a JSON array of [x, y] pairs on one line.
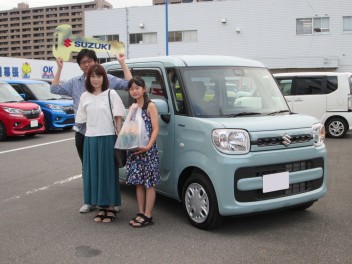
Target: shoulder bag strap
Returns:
[[113, 120]]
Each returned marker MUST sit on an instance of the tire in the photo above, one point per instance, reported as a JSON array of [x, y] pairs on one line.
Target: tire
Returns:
[[303, 207], [336, 127], [3, 134], [67, 128], [30, 135], [200, 203], [47, 126]]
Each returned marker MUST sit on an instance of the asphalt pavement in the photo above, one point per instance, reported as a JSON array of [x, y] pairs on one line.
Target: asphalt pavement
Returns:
[[41, 193]]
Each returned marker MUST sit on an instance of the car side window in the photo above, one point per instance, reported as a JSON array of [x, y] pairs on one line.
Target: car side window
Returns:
[[309, 85], [331, 84], [19, 89], [177, 91], [153, 82], [125, 96], [285, 86]]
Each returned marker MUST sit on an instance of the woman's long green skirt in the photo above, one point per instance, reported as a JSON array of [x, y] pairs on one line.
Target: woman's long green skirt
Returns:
[[100, 175]]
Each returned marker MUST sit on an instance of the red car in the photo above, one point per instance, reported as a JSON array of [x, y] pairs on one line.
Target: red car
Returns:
[[18, 117]]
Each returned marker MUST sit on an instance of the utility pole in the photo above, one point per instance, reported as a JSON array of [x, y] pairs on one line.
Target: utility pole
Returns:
[[167, 26]]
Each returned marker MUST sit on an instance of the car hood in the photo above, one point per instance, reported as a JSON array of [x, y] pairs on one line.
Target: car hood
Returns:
[[261, 123], [21, 105], [56, 102]]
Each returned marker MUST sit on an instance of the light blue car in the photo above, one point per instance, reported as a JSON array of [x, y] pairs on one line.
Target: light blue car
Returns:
[[58, 112], [226, 151]]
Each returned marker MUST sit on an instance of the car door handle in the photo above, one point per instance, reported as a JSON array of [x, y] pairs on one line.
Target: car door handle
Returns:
[[298, 100], [181, 125]]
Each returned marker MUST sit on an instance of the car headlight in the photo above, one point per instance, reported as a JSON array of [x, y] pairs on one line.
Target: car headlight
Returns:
[[13, 111], [54, 107], [318, 134], [231, 141]]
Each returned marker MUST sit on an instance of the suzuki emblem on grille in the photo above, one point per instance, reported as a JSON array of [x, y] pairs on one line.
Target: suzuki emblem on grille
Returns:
[[33, 112], [286, 140]]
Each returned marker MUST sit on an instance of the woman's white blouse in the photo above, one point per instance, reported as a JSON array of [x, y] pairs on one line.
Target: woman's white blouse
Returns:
[[94, 110]]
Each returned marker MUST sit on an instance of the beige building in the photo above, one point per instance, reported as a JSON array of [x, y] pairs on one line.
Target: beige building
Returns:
[[28, 32]]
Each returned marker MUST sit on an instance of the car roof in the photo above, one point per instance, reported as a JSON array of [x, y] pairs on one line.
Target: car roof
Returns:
[[22, 81], [288, 74], [194, 60]]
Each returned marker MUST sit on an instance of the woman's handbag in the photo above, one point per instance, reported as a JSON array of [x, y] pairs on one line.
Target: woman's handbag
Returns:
[[120, 154]]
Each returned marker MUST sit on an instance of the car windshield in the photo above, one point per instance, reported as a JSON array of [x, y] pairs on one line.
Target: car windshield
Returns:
[[232, 91], [42, 91], [9, 94]]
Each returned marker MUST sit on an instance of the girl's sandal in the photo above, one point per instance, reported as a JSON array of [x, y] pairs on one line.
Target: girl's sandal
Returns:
[[135, 219], [100, 216], [110, 216], [146, 222]]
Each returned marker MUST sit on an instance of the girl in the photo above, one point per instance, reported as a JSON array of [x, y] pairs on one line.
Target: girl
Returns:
[[100, 174], [142, 167]]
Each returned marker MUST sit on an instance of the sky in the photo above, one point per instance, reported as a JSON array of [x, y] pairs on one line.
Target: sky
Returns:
[[10, 4]]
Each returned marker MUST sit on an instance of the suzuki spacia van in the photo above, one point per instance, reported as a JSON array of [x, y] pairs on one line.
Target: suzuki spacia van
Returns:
[[228, 143], [324, 95]]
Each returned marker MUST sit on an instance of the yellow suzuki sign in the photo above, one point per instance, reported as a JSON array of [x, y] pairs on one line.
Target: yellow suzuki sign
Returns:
[[65, 43]]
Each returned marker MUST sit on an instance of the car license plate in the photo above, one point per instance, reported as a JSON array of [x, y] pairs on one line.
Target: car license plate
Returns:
[[275, 182], [34, 123]]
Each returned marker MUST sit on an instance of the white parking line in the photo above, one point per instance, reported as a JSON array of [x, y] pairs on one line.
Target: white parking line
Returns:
[[35, 146], [16, 197]]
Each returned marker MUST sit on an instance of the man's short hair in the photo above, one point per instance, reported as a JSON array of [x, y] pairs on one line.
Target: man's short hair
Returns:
[[86, 52]]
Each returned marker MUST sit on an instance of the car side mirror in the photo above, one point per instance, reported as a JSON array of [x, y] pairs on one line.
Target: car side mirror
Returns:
[[163, 109], [23, 96]]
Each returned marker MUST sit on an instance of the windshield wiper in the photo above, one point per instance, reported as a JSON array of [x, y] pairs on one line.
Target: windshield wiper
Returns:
[[52, 99], [278, 112], [241, 114], [13, 101]]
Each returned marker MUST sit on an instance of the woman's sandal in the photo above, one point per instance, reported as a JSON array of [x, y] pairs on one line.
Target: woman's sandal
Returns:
[[135, 219], [146, 222], [100, 216], [110, 216]]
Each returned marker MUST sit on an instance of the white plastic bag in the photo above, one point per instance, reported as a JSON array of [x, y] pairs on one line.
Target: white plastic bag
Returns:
[[133, 134]]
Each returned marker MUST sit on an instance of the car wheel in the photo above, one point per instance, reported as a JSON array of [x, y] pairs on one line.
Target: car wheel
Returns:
[[67, 128], [303, 206], [3, 134], [47, 127], [200, 203], [336, 127]]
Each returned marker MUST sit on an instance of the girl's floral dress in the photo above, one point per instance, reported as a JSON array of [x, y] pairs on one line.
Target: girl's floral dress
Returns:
[[144, 168]]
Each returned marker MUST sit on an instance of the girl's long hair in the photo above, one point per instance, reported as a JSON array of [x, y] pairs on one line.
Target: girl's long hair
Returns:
[[140, 82]]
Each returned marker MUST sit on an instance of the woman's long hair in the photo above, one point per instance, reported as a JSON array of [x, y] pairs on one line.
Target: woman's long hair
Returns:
[[100, 71], [140, 82]]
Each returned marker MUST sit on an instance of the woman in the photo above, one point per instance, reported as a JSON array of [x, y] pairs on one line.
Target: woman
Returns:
[[100, 174]]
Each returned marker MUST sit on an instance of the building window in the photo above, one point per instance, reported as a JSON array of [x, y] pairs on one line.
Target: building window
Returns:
[[347, 23], [183, 36], [312, 25], [143, 38], [107, 37]]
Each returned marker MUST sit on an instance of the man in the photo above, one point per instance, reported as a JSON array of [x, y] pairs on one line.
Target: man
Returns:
[[200, 106], [76, 86]]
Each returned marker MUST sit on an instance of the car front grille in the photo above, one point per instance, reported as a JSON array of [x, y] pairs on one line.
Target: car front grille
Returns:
[[259, 171], [69, 121], [272, 141], [68, 109], [30, 114], [28, 127]]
